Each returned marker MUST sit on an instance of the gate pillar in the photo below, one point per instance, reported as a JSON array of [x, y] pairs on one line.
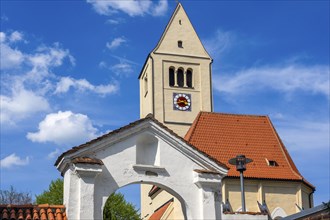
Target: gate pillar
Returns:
[[209, 184], [80, 202]]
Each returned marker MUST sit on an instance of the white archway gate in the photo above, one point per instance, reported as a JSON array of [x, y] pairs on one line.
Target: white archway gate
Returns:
[[143, 152]]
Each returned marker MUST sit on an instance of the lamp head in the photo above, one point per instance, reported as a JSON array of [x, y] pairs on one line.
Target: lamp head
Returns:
[[240, 161]]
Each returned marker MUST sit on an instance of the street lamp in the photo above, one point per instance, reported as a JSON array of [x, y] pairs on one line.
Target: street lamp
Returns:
[[240, 161]]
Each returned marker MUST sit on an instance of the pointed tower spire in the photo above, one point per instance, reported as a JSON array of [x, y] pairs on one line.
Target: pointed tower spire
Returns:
[[180, 37], [175, 82]]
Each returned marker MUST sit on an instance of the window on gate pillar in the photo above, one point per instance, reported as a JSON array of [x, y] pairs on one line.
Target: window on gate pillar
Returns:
[[180, 78], [189, 78], [171, 76]]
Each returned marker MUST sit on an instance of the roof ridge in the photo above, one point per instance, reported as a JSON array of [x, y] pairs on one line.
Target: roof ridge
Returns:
[[234, 114], [165, 203]]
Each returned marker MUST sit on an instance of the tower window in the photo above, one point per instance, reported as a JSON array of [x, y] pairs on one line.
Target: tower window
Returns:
[[171, 76], [189, 78], [145, 85], [180, 78], [180, 22], [180, 44]]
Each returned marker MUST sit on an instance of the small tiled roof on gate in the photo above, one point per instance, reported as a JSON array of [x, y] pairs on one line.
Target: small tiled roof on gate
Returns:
[[224, 136], [32, 212], [158, 214]]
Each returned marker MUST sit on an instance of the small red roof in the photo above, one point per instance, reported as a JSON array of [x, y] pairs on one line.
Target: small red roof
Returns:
[[29, 212], [153, 190], [158, 214], [224, 136]]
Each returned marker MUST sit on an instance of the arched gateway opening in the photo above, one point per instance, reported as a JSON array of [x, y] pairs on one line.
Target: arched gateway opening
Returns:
[[146, 152], [143, 201], [153, 192]]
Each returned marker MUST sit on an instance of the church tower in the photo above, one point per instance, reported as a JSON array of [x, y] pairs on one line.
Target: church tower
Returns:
[[175, 81]]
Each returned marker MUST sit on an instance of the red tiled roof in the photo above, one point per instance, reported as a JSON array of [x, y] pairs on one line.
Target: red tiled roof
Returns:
[[223, 136], [158, 214], [35, 212], [153, 190]]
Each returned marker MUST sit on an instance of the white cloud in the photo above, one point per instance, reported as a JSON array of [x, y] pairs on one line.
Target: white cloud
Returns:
[[12, 37], [160, 9], [130, 7], [48, 57], [16, 36], [42, 60], [54, 154], [220, 42], [115, 43], [277, 115], [21, 104], [125, 60], [28, 81], [64, 128], [106, 89], [303, 136], [115, 21], [122, 69], [66, 83], [2, 37], [13, 160], [10, 57], [288, 79], [103, 64]]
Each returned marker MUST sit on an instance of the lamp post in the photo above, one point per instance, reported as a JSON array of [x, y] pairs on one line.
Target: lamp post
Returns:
[[240, 161]]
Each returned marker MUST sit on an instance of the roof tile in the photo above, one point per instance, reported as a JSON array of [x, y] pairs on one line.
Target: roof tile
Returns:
[[23, 212]]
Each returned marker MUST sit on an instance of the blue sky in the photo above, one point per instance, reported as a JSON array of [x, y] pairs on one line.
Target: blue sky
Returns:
[[69, 73]]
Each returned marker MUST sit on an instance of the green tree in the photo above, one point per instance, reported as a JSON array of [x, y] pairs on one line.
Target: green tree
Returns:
[[54, 195], [116, 208]]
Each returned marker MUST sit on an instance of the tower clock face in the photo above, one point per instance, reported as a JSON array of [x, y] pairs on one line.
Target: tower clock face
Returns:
[[181, 102]]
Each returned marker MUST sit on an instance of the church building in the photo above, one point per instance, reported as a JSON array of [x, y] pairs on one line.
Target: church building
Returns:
[[176, 87]]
